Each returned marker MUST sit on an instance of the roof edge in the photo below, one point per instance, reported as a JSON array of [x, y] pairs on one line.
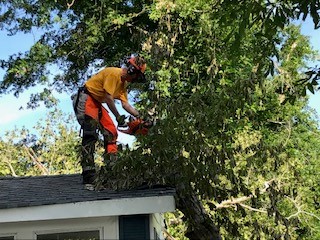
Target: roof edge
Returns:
[[101, 208]]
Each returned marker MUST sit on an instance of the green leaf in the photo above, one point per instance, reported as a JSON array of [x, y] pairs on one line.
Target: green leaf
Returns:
[[310, 87]]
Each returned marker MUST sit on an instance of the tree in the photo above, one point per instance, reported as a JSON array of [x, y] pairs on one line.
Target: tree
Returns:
[[222, 137], [235, 145], [51, 149]]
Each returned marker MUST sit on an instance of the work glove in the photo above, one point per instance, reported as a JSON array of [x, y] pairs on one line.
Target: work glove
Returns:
[[121, 121], [132, 118]]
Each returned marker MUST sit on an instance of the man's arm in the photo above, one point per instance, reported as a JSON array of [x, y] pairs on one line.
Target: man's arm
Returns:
[[111, 105], [126, 106]]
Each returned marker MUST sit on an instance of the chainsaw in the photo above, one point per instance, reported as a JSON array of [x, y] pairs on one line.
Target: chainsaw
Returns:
[[136, 126]]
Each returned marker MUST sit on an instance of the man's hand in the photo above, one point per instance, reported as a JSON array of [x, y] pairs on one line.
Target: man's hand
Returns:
[[126, 106], [121, 121]]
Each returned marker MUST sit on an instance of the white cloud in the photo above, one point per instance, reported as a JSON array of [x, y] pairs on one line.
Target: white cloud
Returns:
[[11, 116], [11, 112], [9, 109]]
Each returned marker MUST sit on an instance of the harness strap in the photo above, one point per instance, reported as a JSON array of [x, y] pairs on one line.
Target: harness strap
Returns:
[[80, 90]]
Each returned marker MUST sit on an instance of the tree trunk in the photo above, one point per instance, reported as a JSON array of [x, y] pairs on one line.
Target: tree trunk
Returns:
[[200, 225]]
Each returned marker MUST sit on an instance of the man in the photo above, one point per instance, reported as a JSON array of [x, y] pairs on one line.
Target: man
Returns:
[[104, 87]]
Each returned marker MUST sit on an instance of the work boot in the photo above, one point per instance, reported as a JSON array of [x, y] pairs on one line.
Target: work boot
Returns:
[[88, 176]]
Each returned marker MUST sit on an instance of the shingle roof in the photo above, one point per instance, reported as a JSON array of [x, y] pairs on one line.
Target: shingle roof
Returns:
[[60, 189]]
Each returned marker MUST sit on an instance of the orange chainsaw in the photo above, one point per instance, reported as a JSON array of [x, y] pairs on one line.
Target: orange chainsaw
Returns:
[[137, 126]]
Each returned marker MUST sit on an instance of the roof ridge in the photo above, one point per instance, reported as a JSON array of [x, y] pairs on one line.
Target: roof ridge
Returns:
[[38, 176]]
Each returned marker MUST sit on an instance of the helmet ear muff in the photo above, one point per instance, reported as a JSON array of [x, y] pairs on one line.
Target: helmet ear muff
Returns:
[[131, 70]]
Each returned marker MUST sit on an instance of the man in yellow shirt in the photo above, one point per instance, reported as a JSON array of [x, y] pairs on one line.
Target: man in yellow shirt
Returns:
[[104, 87]]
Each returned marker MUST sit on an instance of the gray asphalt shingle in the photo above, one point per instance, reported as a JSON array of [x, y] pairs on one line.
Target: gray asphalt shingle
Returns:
[[59, 189]]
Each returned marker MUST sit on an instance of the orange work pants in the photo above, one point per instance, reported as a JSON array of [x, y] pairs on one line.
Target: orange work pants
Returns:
[[97, 119]]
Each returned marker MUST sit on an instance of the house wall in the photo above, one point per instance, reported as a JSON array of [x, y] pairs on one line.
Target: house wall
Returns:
[[108, 227], [156, 226]]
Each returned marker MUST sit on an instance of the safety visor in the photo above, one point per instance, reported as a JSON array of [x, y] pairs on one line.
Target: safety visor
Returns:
[[141, 78]]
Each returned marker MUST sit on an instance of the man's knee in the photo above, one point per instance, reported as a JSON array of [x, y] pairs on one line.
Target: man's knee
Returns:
[[89, 130], [109, 136]]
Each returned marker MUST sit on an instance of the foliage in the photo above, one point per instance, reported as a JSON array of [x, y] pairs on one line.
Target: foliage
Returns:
[[311, 80], [232, 132], [108, 30]]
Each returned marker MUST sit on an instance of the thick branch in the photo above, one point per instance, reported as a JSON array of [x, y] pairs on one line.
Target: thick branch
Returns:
[[200, 225]]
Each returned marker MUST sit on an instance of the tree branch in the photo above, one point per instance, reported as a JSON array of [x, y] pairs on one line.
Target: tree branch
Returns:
[[12, 169], [167, 235], [34, 158], [129, 22], [252, 209], [69, 5], [293, 46], [234, 201], [300, 211]]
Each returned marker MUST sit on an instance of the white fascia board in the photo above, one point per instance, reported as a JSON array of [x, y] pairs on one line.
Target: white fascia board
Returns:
[[101, 208]]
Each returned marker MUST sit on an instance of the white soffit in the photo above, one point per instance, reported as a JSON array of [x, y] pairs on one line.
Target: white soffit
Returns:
[[101, 208]]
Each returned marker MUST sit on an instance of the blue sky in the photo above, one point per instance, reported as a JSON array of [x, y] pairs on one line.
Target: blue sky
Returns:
[[12, 117], [308, 30]]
